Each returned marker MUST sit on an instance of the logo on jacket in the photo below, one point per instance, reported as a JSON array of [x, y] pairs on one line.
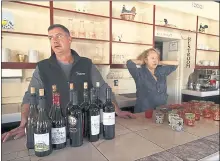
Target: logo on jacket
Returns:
[[79, 73]]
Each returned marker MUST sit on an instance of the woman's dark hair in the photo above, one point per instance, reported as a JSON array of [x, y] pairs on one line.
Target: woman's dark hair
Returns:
[[59, 26]]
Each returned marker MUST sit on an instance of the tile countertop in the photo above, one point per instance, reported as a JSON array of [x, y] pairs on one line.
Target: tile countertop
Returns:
[[200, 94], [137, 139]]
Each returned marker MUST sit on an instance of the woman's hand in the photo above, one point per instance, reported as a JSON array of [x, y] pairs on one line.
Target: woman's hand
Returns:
[[16, 133], [126, 114]]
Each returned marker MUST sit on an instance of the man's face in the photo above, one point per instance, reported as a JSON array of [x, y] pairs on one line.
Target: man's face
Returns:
[[60, 41]]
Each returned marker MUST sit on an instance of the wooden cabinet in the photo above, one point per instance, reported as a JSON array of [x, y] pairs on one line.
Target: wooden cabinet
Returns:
[[98, 30]]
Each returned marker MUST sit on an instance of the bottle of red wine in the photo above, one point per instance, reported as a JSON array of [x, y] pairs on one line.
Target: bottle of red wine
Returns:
[[108, 117], [52, 108], [42, 132], [29, 130], [75, 122], [58, 130], [68, 107], [100, 105], [85, 106], [93, 118]]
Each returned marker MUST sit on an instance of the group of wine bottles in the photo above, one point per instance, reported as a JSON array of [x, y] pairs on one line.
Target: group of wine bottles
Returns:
[[50, 130]]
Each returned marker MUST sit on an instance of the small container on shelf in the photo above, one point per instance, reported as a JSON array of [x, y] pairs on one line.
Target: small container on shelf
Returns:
[[128, 14], [171, 116], [190, 119], [149, 113]]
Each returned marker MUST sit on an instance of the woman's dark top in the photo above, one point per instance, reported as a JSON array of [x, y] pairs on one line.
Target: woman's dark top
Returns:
[[150, 92]]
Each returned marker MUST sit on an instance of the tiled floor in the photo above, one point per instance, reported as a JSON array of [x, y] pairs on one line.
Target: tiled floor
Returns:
[[136, 139]]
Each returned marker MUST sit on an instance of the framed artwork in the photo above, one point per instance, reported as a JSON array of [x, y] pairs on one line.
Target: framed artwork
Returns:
[[7, 20], [173, 46]]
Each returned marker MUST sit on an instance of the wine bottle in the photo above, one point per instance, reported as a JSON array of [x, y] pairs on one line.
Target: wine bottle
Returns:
[[93, 118], [108, 117], [58, 130], [68, 107], [75, 122], [42, 132], [29, 130], [85, 106], [52, 108], [100, 105]]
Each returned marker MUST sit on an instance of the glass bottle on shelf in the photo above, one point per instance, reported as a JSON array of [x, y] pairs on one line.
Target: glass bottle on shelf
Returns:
[[97, 58], [71, 28], [82, 32], [92, 33]]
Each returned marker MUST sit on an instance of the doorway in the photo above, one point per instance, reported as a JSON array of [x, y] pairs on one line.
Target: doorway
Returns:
[[168, 52]]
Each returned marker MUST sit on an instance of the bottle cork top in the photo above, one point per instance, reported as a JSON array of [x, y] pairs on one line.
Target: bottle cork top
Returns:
[[97, 84], [85, 85], [54, 88], [32, 90], [41, 92], [71, 86]]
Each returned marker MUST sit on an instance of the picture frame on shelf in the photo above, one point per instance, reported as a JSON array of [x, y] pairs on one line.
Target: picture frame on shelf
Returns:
[[173, 46]]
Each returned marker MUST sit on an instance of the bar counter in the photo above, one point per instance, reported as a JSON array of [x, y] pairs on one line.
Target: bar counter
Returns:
[[137, 139]]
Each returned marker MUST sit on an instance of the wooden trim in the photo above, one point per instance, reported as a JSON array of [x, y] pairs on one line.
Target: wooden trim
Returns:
[[51, 13], [174, 28], [208, 34], [206, 67], [30, 4], [18, 65], [207, 50], [89, 14], [110, 32], [132, 43], [23, 33], [118, 66], [76, 38], [144, 23], [154, 14]]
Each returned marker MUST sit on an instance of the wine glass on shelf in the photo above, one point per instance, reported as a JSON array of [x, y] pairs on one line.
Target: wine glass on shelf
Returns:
[[92, 32], [71, 27], [98, 57], [82, 32]]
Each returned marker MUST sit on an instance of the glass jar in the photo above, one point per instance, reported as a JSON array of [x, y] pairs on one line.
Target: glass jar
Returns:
[[207, 113], [190, 119], [215, 112], [177, 124], [159, 118]]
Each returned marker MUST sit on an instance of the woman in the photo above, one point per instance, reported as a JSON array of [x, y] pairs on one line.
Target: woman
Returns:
[[150, 79]]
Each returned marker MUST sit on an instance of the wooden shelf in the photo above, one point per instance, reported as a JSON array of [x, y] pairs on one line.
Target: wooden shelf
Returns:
[[206, 67], [87, 39], [118, 66], [164, 26], [132, 43], [208, 34], [139, 22], [23, 33], [31, 4], [82, 13], [207, 50], [18, 65]]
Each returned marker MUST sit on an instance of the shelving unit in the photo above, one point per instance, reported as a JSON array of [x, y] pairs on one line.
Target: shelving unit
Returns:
[[109, 27], [207, 42]]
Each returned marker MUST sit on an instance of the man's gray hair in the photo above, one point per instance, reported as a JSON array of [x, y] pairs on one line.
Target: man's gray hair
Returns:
[[59, 26]]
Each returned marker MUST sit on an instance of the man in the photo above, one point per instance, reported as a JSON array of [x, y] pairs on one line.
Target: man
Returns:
[[64, 66]]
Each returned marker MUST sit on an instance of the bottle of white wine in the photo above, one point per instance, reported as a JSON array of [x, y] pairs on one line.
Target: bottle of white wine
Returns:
[[42, 132]]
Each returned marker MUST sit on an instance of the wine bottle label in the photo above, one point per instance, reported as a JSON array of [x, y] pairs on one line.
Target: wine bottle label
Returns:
[[58, 135], [41, 142], [101, 115], [109, 118], [95, 125]]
